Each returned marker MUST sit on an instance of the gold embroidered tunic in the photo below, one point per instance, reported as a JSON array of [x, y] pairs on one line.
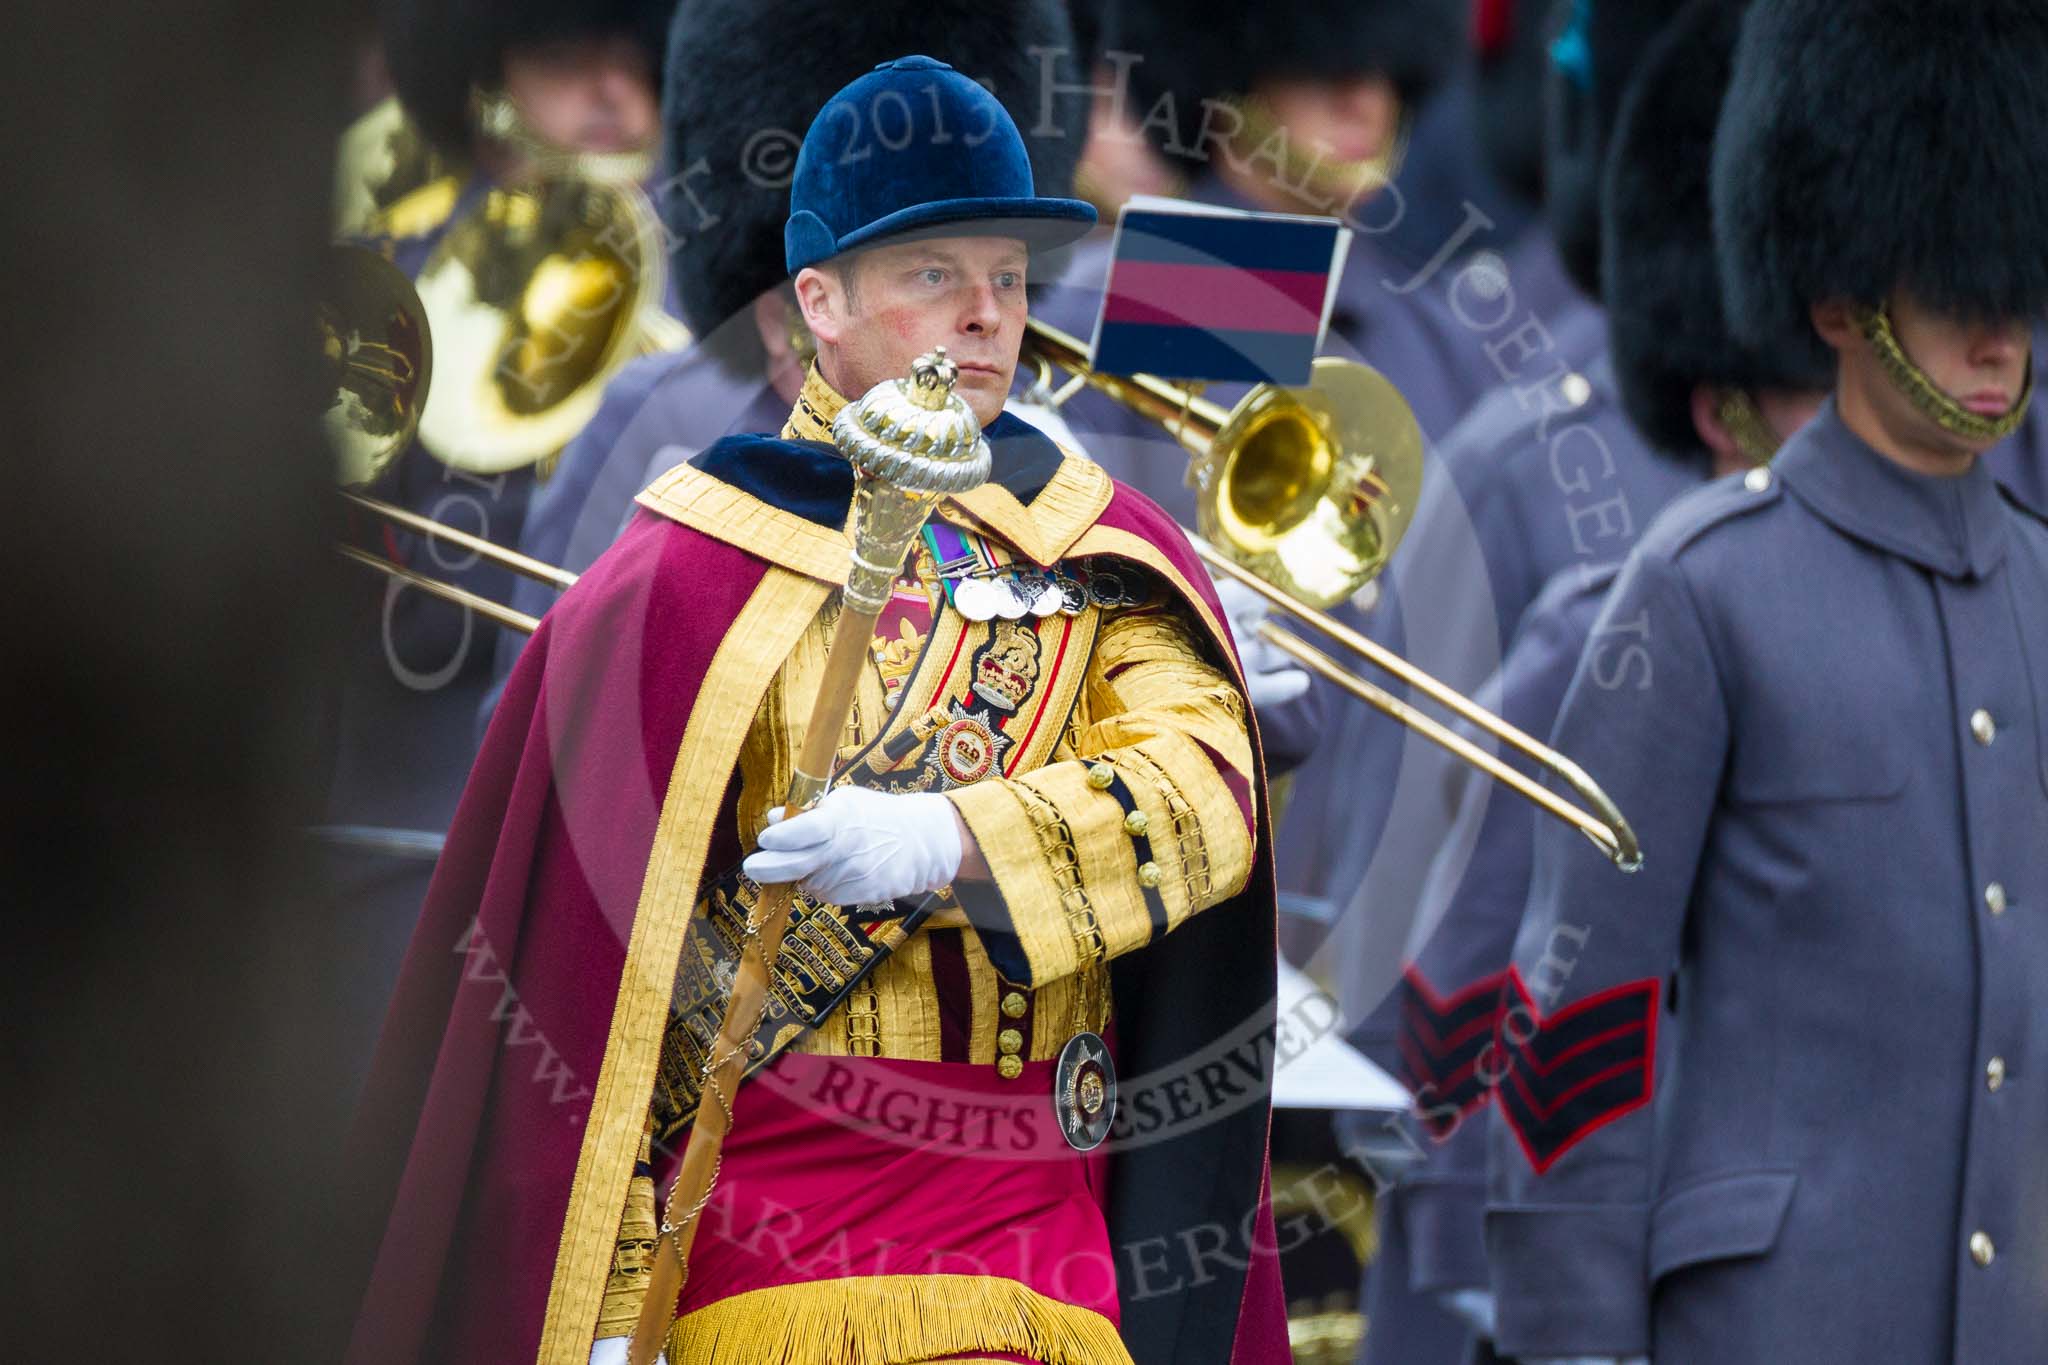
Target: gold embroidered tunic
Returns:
[[1024, 725]]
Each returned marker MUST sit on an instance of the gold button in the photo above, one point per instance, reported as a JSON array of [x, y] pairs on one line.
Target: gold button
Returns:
[[1014, 1003], [1136, 823], [1009, 1068], [1994, 897], [1982, 726], [1100, 776], [1981, 1250], [1994, 1073], [1148, 875], [1010, 1042], [1757, 480]]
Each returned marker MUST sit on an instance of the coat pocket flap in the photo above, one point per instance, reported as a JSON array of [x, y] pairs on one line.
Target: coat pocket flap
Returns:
[[1728, 1216]]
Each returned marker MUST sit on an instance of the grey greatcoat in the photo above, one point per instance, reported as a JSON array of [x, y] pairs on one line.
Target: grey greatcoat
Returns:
[[1837, 768]]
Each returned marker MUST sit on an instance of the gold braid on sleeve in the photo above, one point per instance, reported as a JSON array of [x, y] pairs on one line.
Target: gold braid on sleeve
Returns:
[[1191, 850], [1057, 841]]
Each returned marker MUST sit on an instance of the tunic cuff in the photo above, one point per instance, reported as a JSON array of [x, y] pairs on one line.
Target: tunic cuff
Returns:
[[1068, 884]]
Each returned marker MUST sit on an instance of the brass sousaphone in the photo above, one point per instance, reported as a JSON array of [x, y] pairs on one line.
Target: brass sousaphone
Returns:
[[537, 298]]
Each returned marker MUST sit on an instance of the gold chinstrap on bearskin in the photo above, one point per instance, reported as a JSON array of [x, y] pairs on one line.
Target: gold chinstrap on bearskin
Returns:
[[890, 1319]]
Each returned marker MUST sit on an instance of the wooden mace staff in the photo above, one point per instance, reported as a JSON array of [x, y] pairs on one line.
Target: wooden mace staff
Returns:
[[911, 442]]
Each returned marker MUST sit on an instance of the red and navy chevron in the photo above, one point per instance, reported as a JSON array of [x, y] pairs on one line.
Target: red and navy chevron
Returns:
[[1445, 1042], [1583, 1067]]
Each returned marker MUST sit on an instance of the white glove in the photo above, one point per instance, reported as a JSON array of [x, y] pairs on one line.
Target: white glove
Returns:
[[1473, 1307], [858, 846], [1270, 677], [612, 1351]]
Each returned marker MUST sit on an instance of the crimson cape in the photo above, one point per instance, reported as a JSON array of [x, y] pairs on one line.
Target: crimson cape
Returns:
[[498, 1129]]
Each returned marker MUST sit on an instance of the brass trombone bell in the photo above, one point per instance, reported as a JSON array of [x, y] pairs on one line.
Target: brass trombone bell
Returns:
[[374, 336], [1310, 488]]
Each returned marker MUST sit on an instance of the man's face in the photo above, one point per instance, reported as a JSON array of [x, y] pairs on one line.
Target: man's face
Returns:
[[1354, 119], [963, 293], [1981, 365], [588, 94]]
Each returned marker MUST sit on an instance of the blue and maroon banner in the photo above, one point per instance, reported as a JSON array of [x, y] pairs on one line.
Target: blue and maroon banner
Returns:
[[1196, 293]]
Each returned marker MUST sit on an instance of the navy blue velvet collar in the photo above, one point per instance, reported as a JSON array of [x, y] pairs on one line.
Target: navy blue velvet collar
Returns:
[[814, 481]]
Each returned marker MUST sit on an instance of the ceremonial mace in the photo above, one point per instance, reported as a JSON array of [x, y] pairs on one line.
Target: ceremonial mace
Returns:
[[911, 443]]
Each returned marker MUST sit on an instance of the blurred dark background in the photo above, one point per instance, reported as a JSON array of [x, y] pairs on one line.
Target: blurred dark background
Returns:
[[171, 1111]]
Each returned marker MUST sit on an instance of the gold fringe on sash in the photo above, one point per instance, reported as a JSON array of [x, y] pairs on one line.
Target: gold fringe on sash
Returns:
[[893, 1320]]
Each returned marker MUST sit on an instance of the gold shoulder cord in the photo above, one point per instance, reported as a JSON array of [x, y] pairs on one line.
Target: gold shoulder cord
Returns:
[[1912, 381]]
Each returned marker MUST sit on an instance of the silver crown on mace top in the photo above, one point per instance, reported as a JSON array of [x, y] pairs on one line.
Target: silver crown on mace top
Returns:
[[911, 442]]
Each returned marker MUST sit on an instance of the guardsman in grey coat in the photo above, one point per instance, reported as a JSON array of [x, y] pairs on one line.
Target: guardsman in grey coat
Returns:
[[1837, 768], [1700, 404], [1545, 474]]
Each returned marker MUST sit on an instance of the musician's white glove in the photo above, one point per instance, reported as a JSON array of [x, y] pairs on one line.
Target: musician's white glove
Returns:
[[858, 846], [612, 1351], [1473, 1307], [1270, 677]]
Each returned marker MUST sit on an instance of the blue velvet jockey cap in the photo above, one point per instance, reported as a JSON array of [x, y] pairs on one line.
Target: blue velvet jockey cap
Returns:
[[912, 147]]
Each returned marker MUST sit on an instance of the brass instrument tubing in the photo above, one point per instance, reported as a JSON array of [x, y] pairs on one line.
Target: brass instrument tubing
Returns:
[[495, 611], [476, 545], [1608, 829], [1170, 406]]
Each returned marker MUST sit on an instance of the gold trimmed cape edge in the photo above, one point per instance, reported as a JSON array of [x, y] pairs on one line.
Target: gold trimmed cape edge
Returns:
[[1044, 531], [1109, 540], [714, 508], [758, 640]]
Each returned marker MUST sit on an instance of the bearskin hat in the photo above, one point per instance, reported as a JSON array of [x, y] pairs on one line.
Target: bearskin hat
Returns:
[[1659, 269], [1886, 142], [746, 77], [1512, 39], [1597, 49], [1196, 50], [438, 49]]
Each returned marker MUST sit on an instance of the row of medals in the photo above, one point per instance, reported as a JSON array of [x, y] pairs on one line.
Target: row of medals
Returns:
[[1013, 594]]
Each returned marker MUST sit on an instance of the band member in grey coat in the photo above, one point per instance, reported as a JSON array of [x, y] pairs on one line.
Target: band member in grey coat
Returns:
[[1837, 771], [1693, 403]]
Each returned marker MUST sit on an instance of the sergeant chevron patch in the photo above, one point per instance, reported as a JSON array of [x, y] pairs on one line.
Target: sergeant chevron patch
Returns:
[[1582, 1067], [1448, 1061]]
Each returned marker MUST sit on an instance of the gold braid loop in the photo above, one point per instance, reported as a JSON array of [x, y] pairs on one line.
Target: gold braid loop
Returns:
[[1923, 393]]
